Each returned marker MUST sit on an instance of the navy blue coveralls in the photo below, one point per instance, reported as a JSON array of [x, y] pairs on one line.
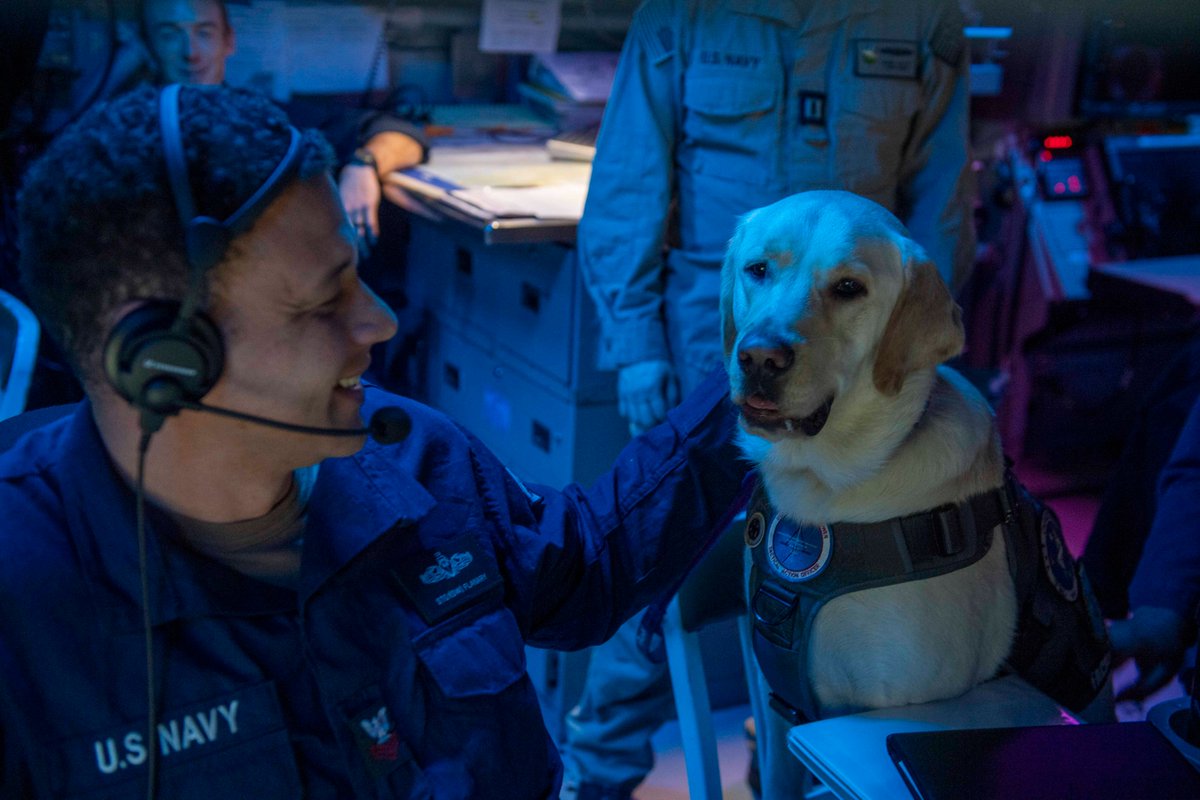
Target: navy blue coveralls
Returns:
[[397, 667]]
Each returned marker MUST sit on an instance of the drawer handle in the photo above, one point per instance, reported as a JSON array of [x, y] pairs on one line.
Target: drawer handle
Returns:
[[531, 298], [541, 437], [450, 375]]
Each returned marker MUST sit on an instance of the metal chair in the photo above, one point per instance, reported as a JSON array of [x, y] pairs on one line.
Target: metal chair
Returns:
[[712, 592], [19, 333]]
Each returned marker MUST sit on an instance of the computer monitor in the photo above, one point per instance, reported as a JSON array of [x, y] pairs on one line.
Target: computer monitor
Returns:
[[1140, 60], [1155, 189]]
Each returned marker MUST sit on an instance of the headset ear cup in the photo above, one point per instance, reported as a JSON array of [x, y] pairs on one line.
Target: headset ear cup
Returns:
[[158, 369]]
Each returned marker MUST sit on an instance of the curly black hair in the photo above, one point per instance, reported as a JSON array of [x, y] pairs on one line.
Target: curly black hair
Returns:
[[98, 224]]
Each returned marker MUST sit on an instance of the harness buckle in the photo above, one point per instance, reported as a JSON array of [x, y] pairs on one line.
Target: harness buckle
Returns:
[[949, 528], [772, 608], [773, 613]]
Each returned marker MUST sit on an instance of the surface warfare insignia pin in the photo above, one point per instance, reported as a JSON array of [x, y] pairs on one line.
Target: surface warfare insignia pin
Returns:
[[445, 567], [798, 552], [1060, 567], [447, 577]]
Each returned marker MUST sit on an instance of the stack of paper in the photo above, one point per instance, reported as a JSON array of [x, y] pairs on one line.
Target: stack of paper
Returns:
[[490, 181]]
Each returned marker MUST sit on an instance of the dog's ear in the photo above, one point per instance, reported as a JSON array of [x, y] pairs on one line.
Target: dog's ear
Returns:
[[924, 330], [728, 282]]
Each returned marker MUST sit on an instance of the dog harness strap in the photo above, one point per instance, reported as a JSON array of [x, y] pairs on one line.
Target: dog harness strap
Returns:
[[797, 568], [1061, 646]]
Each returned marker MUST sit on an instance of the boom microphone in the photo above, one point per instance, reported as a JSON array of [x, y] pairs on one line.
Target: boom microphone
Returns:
[[388, 425]]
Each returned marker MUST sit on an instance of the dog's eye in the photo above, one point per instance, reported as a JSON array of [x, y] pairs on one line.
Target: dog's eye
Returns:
[[757, 270], [848, 288]]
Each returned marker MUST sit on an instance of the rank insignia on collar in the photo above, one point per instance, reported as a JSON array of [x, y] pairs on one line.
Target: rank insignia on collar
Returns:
[[381, 748]]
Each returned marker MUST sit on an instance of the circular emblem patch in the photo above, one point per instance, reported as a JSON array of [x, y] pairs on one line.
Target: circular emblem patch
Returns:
[[798, 552], [756, 526], [1060, 567]]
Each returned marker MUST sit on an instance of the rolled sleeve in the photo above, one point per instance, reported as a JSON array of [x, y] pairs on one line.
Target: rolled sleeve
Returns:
[[382, 122]]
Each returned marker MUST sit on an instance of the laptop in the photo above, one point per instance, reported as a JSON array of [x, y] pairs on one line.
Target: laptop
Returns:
[[1121, 761]]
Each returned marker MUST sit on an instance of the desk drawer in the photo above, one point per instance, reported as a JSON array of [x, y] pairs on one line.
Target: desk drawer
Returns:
[[523, 297], [530, 425]]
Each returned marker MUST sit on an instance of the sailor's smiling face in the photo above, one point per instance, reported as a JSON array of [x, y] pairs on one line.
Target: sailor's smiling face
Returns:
[[190, 39], [298, 324]]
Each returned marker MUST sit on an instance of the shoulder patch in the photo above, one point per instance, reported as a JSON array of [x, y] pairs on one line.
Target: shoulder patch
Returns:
[[947, 41]]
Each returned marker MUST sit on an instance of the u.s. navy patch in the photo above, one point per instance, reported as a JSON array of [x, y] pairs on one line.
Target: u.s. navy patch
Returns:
[[443, 581], [886, 58], [798, 552], [756, 528], [118, 754], [1060, 567]]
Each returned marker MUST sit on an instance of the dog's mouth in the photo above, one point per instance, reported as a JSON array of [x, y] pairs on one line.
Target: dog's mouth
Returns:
[[761, 413]]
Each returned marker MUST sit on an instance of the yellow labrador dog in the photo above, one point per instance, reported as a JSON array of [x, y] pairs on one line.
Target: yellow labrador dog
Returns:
[[888, 560]]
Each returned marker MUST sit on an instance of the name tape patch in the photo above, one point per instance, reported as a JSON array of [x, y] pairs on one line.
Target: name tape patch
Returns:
[[886, 58], [120, 753]]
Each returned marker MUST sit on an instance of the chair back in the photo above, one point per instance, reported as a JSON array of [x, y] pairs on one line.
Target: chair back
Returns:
[[713, 591], [19, 333]]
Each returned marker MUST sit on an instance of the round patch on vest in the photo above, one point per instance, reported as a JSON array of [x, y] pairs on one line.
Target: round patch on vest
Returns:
[[756, 527], [798, 552], [1060, 567]]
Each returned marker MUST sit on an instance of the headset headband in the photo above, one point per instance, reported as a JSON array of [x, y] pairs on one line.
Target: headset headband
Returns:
[[206, 238]]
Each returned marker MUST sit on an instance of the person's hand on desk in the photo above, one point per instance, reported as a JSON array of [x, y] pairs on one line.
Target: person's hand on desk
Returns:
[[646, 390], [1156, 639], [359, 181], [358, 186]]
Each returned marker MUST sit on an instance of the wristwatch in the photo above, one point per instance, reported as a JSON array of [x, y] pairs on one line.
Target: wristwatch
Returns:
[[365, 158]]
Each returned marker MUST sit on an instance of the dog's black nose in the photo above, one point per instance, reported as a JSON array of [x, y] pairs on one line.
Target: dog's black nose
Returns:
[[767, 355]]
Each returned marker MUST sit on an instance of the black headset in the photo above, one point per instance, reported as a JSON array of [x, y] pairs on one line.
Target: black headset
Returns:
[[164, 355]]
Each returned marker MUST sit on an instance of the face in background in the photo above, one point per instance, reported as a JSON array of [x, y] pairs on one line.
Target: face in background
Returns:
[[190, 39], [298, 326]]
